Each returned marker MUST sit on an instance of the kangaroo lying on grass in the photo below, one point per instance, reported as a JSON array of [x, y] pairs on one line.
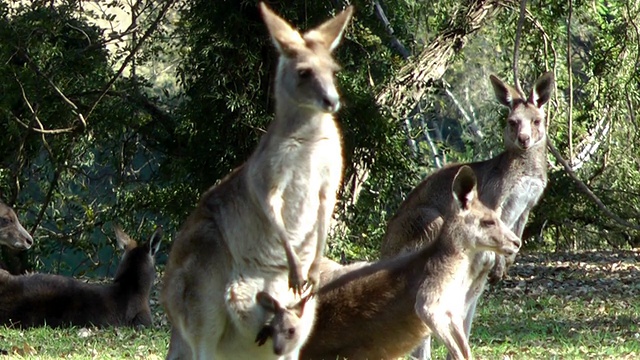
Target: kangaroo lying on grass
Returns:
[[55, 300], [263, 228], [12, 234], [383, 310], [510, 183]]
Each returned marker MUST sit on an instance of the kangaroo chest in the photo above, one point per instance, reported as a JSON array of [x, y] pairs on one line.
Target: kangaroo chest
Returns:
[[520, 197], [513, 193]]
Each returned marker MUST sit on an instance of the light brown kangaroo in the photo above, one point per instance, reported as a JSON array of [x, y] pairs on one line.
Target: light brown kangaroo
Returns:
[[58, 301], [12, 233], [510, 183], [384, 309], [263, 228]]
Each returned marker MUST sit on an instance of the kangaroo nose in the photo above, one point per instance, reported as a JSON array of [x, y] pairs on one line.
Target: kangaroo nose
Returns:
[[517, 242], [524, 140], [331, 104]]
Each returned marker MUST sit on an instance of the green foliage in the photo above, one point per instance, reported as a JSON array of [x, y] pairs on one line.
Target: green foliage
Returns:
[[194, 100], [67, 153]]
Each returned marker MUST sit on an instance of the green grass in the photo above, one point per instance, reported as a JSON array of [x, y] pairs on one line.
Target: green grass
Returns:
[[553, 306], [75, 343]]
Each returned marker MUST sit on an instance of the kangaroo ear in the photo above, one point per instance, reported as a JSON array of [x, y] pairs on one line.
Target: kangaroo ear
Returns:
[[286, 39], [298, 308], [330, 32], [155, 241], [542, 89], [505, 94], [124, 241], [464, 187], [267, 301]]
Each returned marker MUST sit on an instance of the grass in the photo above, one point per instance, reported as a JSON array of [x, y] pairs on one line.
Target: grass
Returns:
[[553, 306], [83, 343]]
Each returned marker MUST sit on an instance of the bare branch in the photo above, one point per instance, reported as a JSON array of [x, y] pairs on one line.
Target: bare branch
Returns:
[[129, 58], [415, 77], [36, 69], [585, 189], [35, 115], [475, 131], [570, 74], [395, 43], [47, 201], [516, 47]]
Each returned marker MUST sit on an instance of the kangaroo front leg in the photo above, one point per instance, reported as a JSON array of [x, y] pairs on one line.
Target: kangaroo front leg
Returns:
[[324, 217], [449, 329], [296, 279], [423, 351]]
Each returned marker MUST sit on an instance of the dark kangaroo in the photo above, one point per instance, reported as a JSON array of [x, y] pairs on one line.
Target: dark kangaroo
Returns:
[[58, 301], [510, 183], [383, 310]]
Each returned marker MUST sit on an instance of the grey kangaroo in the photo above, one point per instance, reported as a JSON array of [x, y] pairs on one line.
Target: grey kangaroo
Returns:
[[58, 301], [383, 310], [263, 228], [510, 183], [12, 233], [283, 327]]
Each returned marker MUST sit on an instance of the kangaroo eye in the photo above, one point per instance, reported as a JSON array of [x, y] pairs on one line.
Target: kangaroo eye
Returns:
[[291, 332], [512, 122], [488, 223], [536, 122], [304, 73]]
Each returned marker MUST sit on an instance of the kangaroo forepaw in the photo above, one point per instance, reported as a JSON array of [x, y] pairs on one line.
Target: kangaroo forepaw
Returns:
[[498, 271], [296, 281], [314, 278]]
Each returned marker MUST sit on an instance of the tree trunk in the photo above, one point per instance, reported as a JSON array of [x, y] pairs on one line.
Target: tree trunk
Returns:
[[416, 77], [402, 94]]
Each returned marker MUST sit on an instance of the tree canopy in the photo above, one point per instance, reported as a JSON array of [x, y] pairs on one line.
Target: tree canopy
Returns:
[[127, 111]]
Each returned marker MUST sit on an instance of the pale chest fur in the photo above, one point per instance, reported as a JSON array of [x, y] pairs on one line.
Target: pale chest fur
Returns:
[[524, 194], [452, 288], [515, 189], [291, 173]]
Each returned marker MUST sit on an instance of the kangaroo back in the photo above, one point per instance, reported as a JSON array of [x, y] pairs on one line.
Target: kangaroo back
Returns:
[[55, 300], [12, 233]]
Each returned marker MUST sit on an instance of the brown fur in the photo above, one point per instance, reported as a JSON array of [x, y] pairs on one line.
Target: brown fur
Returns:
[[510, 183], [263, 228], [12, 233], [383, 310], [55, 300]]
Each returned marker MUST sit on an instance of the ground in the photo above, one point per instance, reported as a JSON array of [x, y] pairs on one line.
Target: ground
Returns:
[[560, 305]]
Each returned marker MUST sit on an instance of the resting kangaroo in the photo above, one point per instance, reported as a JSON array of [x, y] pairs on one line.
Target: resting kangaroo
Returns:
[[263, 228], [510, 183], [384, 309], [12, 234], [55, 300]]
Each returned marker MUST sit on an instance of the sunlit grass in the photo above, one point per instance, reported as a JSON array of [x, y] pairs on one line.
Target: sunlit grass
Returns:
[[81, 343], [571, 306]]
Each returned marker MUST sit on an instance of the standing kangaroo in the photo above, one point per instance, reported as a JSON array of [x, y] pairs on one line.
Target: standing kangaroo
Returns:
[[510, 183], [55, 300], [383, 310], [12, 233], [263, 228]]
